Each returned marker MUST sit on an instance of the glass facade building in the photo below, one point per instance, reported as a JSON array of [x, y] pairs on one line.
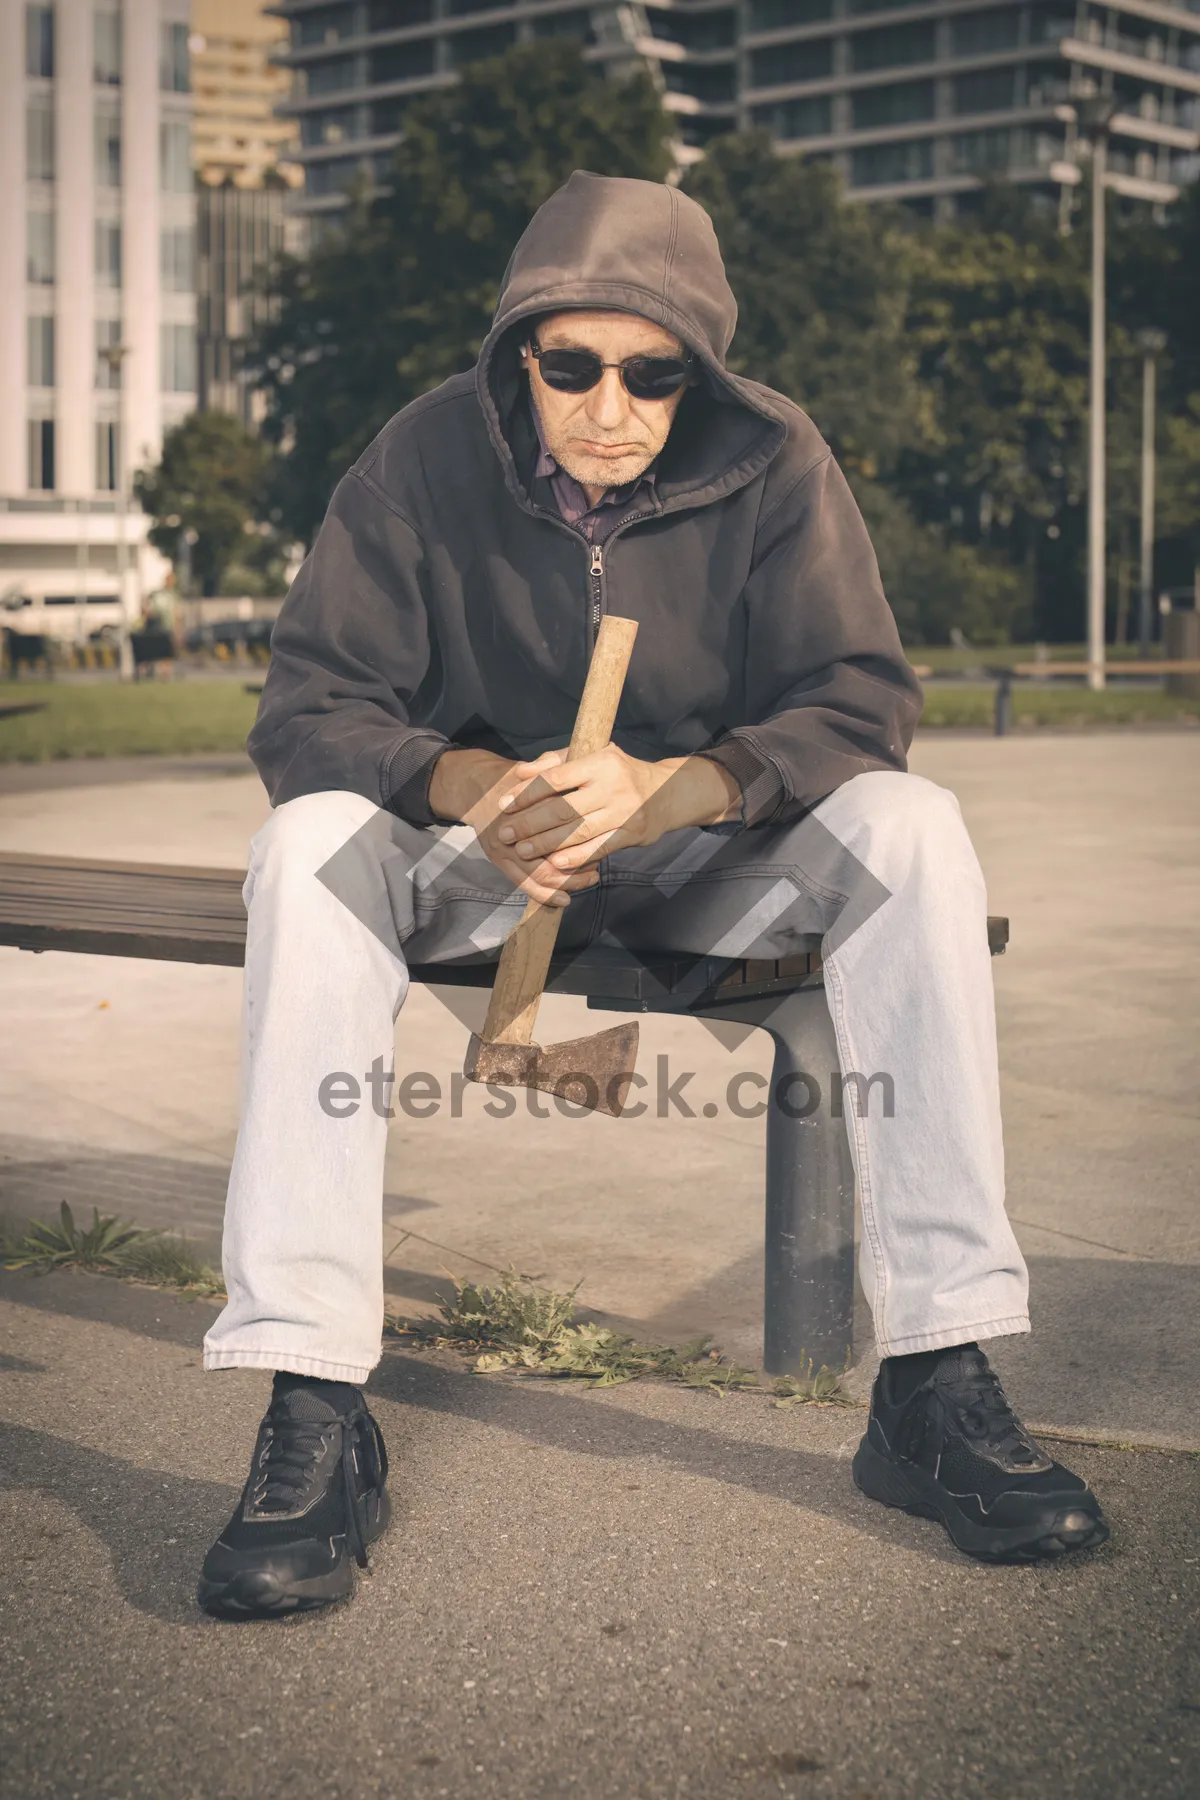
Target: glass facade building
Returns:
[[918, 100]]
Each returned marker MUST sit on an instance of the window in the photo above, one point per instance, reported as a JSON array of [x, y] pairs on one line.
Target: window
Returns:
[[879, 165], [108, 143], [178, 359], [107, 460], [893, 46], [402, 62], [796, 118], [456, 8], [332, 127], [41, 454], [569, 24], [174, 74], [332, 177], [177, 246], [990, 90], [328, 77], [874, 6], [707, 31], [387, 116], [108, 336], [39, 40], [106, 49], [39, 140], [39, 337], [108, 253], [39, 248], [897, 104], [773, 15], [791, 62], [977, 34], [175, 143], [476, 46], [394, 15], [713, 86], [990, 152], [1048, 26], [324, 25]]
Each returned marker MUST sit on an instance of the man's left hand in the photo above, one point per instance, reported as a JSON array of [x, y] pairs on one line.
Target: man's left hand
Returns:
[[573, 814]]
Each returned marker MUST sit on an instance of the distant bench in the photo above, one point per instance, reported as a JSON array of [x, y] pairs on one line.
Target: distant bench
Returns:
[[179, 914]]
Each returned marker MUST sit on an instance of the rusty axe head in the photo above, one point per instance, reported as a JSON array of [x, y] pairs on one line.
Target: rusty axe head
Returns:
[[591, 1071]]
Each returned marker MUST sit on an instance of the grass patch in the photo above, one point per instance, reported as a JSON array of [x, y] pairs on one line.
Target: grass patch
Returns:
[[974, 704], [532, 1330], [110, 718], [108, 1246], [944, 659]]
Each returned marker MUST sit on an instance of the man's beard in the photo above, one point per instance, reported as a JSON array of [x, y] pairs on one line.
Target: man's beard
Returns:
[[596, 471]]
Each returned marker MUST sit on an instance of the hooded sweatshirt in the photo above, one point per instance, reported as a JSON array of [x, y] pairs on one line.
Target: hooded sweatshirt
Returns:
[[447, 603]]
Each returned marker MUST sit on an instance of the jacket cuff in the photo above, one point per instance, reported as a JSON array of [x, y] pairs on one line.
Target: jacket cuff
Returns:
[[406, 774], [762, 785]]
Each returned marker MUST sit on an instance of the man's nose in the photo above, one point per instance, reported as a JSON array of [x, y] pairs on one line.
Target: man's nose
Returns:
[[609, 406]]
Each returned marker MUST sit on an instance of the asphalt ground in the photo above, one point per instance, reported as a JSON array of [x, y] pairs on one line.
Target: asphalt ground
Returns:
[[621, 1594]]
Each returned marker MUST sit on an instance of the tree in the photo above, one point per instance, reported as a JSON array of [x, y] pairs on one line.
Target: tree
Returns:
[[821, 292], [403, 295], [212, 481]]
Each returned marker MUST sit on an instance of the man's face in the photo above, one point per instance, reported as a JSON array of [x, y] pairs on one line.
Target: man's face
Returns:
[[605, 437]]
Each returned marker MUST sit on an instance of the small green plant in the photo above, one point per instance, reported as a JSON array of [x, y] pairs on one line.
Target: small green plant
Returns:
[[67, 1245], [815, 1387], [170, 1262], [529, 1329], [108, 1246]]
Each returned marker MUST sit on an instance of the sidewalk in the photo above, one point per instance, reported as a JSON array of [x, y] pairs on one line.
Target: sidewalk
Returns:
[[640, 1593]]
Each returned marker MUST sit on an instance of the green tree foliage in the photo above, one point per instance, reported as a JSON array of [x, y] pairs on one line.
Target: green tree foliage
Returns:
[[212, 481], [821, 294], [403, 296], [824, 294]]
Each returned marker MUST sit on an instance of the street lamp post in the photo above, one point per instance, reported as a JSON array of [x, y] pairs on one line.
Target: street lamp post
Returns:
[[1094, 117], [1152, 344], [114, 355]]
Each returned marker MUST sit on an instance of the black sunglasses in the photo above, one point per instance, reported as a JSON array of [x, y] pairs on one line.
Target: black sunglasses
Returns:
[[645, 377]]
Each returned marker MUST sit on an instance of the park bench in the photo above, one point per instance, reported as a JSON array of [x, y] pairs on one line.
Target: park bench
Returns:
[[179, 914]]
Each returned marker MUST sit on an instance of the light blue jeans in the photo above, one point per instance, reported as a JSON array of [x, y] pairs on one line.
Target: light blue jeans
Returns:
[[341, 896]]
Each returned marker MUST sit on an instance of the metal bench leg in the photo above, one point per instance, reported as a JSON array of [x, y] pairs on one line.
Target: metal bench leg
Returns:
[[809, 1289]]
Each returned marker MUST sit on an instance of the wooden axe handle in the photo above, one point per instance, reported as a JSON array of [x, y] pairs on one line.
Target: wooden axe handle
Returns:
[[525, 958]]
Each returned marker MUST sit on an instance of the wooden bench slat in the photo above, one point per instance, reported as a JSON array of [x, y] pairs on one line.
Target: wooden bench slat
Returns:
[[177, 913]]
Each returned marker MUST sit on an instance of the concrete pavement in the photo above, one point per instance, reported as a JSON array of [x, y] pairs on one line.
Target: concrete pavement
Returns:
[[630, 1594]]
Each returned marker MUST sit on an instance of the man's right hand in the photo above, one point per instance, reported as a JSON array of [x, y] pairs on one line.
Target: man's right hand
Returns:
[[468, 785]]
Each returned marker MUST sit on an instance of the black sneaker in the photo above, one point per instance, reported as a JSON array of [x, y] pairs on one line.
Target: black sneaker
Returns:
[[315, 1498], [947, 1445]]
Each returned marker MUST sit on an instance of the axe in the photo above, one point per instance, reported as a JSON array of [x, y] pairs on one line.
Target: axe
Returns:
[[591, 1071]]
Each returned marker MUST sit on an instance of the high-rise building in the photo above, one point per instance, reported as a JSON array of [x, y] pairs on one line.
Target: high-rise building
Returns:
[[239, 233], [97, 300], [913, 100], [237, 133], [243, 151]]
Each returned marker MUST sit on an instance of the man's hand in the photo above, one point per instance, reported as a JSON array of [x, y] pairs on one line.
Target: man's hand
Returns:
[[564, 816], [473, 785], [547, 823]]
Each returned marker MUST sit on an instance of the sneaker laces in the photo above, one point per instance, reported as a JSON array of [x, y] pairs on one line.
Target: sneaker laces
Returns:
[[293, 1445], [974, 1389]]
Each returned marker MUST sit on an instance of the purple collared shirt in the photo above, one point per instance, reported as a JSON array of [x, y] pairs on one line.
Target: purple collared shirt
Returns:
[[614, 506]]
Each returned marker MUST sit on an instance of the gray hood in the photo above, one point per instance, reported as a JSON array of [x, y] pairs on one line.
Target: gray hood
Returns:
[[640, 247]]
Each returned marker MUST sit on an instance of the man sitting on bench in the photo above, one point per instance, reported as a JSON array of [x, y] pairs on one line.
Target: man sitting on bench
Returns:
[[425, 671]]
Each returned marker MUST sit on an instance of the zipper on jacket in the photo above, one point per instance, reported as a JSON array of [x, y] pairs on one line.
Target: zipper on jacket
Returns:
[[596, 572]]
